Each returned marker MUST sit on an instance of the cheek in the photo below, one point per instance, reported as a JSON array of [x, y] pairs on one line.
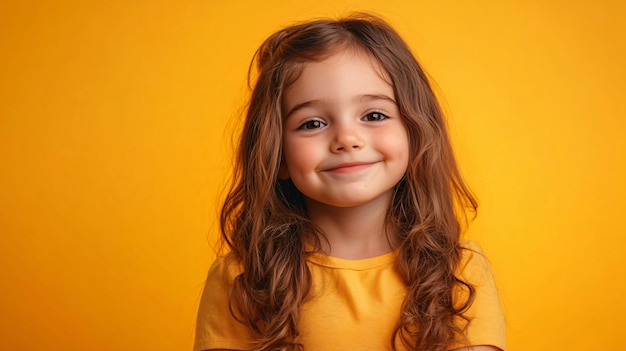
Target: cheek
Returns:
[[290, 152], [398, 150], [300, 154], [396, 144]]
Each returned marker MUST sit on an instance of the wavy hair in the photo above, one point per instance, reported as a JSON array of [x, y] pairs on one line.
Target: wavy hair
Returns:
[[264, 220]]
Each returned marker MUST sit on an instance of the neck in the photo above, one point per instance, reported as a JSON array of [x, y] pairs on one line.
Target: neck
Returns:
[[353, 232]]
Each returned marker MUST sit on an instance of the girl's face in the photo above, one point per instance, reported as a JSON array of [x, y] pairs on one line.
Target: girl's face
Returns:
[[345, 143]]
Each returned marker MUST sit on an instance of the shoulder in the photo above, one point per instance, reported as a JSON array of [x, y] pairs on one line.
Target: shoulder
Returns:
[[216, 327], [470, 249], [219, 282], [223, 271], [217, 286], [487, 325], [474, 265]]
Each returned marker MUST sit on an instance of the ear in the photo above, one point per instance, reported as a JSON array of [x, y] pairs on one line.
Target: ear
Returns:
[[283, 171]]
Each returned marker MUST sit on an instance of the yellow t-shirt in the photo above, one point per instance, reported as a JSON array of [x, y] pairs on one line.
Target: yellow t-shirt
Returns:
[[353, 305]]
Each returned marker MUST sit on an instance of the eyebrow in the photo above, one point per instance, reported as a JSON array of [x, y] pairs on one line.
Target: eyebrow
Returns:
[[365, 97], [374, 97]]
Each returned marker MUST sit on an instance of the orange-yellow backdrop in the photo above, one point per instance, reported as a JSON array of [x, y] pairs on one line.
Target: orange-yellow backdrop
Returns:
[[113, 152]]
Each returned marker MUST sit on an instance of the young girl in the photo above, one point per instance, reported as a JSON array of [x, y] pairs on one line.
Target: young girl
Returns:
[[342, 219]]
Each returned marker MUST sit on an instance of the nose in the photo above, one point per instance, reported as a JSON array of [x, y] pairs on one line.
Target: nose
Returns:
[[346, 139]]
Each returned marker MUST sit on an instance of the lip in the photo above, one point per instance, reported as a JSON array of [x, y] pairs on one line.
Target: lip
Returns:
[[349, 167]]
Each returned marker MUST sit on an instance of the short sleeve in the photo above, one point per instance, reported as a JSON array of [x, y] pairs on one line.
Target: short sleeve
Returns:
[[216, 328], [486, 326]]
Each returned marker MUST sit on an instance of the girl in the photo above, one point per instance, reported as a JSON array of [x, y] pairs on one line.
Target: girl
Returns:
[[342, 219]]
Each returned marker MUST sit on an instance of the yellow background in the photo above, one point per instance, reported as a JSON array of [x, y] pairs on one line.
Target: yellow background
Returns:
[[113, 152]]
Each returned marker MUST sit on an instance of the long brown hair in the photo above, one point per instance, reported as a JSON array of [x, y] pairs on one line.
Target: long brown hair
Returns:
[[264, 220]]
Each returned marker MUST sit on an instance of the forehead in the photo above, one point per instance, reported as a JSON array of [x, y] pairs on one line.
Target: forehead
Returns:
[[345, 74]]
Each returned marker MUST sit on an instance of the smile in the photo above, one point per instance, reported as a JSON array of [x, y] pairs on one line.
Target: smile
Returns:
[[350, 167]]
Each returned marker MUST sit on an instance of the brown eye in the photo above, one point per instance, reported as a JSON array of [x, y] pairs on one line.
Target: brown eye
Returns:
[[374, 116], [312, 124]]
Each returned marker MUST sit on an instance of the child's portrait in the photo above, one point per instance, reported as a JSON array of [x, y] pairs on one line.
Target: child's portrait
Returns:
[[327, 175]]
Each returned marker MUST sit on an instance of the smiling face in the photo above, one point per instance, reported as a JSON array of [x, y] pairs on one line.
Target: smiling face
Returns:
[[344, 142]]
